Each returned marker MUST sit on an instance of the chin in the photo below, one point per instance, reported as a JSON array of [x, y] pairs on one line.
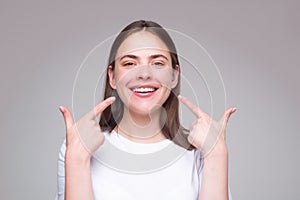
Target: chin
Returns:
[[145, 109]]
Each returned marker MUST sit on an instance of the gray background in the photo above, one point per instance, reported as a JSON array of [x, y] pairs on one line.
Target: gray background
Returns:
[[254, 43]]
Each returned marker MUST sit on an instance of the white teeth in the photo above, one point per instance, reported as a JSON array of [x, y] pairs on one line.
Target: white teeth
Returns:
[[143, 89]]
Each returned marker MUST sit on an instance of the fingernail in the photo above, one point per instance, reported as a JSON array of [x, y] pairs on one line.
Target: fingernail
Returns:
[[113, 98], [61, 109], [234, 109], [179, 96]]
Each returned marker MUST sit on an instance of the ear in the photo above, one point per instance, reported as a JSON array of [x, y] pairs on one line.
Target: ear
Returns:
[[111, 76], [175, 75]]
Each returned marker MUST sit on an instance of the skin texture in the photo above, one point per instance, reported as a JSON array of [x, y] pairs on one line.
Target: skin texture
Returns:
[[142, 61], [135, 67]]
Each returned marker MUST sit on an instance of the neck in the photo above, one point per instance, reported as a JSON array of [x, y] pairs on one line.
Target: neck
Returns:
[[143, 128]]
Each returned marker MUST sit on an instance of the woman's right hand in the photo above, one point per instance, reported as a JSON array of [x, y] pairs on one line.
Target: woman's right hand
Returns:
[[84, 137]]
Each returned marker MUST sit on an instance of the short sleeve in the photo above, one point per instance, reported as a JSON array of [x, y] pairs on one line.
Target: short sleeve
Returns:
[[61, 173], [229, 194]]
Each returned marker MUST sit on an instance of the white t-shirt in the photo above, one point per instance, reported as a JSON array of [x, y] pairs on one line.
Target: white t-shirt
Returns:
[[127, 170]]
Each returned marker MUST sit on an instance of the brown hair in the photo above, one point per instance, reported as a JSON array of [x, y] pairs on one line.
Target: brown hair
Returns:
[[112, 115]]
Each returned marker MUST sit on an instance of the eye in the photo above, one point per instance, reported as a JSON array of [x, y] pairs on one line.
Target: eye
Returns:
[[128, 63], [158, 63]]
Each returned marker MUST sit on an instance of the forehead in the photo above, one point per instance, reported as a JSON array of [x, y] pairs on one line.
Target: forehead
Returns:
[[142, 42]]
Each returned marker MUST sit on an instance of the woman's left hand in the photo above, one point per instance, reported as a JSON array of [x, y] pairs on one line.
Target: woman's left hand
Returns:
[[205, 133]]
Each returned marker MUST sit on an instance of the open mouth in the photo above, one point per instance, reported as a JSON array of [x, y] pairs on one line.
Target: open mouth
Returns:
[[144, 90]]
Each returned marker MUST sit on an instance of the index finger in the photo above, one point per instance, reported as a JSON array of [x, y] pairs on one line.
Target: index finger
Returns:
[[192, 107], [98, 109]]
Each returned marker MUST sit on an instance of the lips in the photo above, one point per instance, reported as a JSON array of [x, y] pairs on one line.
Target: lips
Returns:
[[144, 91]]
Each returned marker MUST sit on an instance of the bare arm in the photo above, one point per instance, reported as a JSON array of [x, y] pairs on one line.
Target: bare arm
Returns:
[[82, 139], [214, 184], [209, 137], [78, 182]]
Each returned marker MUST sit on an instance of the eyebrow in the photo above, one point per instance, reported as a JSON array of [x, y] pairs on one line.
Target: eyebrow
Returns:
[[151, 56]]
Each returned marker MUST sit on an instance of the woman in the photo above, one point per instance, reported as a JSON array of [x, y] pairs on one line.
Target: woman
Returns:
[[139, 113]]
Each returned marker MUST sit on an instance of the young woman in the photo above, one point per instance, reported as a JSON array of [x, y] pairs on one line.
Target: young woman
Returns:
[[139, 115]]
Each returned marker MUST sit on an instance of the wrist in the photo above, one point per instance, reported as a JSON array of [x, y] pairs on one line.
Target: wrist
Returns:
[[77, 157], [219, 151]]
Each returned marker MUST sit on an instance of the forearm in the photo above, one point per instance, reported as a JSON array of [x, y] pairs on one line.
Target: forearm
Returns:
[[78, 182], [214, 185]]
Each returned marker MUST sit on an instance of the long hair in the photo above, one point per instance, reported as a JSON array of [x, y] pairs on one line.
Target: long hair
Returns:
[[112, 115]]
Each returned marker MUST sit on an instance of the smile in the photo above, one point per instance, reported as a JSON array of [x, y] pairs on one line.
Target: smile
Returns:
[[144, 90]]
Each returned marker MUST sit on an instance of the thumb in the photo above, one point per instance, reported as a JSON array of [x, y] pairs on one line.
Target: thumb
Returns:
[[69, 121], [226, 116]]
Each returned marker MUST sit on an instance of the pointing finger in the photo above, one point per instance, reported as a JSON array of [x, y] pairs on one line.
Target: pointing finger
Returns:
[[69, 121], [98, 109], [192, 107]]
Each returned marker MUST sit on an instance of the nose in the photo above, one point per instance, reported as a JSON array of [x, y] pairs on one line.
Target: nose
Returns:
[[144, 72]]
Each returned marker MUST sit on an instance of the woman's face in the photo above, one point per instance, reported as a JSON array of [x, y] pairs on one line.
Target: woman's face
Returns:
[[143, 74]]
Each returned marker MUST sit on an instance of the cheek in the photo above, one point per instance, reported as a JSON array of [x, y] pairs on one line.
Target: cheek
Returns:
[[122, 76], [165, 77]]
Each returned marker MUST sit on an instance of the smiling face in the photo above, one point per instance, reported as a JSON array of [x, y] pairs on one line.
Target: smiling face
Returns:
[[143, 75]]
